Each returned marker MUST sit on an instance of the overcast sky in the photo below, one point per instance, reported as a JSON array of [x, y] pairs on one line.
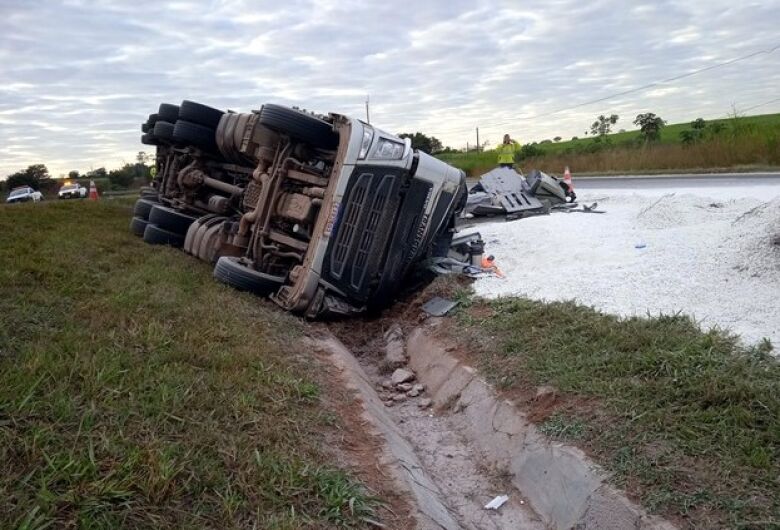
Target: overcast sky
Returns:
[[78, 77]]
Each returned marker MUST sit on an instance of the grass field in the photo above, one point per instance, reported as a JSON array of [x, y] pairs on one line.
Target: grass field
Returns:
[[742, 143], [136, 392], [688, 421]]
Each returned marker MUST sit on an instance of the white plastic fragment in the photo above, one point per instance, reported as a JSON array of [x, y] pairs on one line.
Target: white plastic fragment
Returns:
[[497, 503]]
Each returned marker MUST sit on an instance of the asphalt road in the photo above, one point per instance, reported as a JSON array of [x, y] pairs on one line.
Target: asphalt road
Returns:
[[692, 181]]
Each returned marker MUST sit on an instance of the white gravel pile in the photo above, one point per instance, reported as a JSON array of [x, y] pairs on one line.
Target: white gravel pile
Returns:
[[702, 254]]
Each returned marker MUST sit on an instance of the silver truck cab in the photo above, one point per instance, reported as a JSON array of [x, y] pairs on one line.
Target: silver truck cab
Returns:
[[384, 206]]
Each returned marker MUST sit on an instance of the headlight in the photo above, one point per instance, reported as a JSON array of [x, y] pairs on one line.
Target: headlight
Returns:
[[389, 150], [368, 135]]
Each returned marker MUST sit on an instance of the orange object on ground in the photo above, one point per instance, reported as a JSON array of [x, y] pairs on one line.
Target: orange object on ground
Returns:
[[489, 264], [93, 192]]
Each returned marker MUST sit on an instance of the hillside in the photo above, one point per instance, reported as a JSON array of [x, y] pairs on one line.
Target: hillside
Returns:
[[732, 143]]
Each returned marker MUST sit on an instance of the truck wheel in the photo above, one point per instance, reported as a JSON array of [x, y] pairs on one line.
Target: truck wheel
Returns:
[[142, 208], [149, 139], [138, 225], [205, 225], [154, 235], [164, 130], [189, 237], [171, 220], [195, 135], [232, 271], [168, 112], [200, 114], [299, 125]]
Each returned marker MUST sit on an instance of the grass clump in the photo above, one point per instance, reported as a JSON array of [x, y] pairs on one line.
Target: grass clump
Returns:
[[137, 392], [687, 419]]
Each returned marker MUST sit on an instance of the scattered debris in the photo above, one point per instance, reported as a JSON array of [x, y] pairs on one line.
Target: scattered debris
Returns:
[[504, 191], [640, 245], [497, 503], [405, 387], [395, 355], [544, 391], [425, 403], [438, 306], [401, 375]]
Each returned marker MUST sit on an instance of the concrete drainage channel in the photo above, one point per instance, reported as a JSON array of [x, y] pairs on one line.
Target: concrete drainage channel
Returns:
[[453, 444]]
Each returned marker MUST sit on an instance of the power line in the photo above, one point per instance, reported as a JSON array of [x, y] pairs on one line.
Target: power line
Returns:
[[630, 91], [760, 105]]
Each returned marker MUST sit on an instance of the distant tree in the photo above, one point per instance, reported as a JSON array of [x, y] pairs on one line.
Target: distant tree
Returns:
[[32, 176], [716, 127], [529, 151], [99, 173], [574, 138], [546, 142], [427, 144], [73, 174], [698, 124], [622, 131], [603, 125], [557, 139], [122, 177], [650, 126], [689, 136]]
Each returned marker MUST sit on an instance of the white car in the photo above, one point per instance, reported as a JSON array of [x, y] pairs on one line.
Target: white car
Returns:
[[24, 194], [72, 191]]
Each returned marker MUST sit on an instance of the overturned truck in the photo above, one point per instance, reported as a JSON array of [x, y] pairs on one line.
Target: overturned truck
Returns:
[[326, 215]]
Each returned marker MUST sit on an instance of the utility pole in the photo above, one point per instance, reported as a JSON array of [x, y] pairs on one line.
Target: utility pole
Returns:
[[478, 144], [368, 119]]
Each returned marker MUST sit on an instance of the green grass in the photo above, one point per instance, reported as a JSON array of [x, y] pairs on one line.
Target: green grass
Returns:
[[744, 142], [688, 420], [137, 392]]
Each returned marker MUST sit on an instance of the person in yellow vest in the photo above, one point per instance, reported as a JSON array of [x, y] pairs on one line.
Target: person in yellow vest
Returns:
[[153, 172], [506, 152]]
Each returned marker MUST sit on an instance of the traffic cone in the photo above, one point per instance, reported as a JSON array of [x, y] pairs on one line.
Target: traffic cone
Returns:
[[567, 178], [93, 193]]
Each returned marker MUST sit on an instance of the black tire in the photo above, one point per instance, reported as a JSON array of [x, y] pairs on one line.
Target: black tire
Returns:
[[299, 125], [164, 130], [231, 271], [149, 139], [168, 112], [143, 207], [138, 225], [152, 196], [154, 235], [145, 127], [152, 119], [200, 114], [171, 220], [195, 135]]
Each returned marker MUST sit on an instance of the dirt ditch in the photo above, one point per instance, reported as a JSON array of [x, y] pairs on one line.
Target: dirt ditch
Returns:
[[453, 444]]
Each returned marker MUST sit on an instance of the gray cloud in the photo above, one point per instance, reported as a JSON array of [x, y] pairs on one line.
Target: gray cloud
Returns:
[[78, 77]]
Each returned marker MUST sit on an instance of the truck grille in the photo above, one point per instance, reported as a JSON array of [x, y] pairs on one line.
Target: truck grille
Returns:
[[348, 228], [369, 231]]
